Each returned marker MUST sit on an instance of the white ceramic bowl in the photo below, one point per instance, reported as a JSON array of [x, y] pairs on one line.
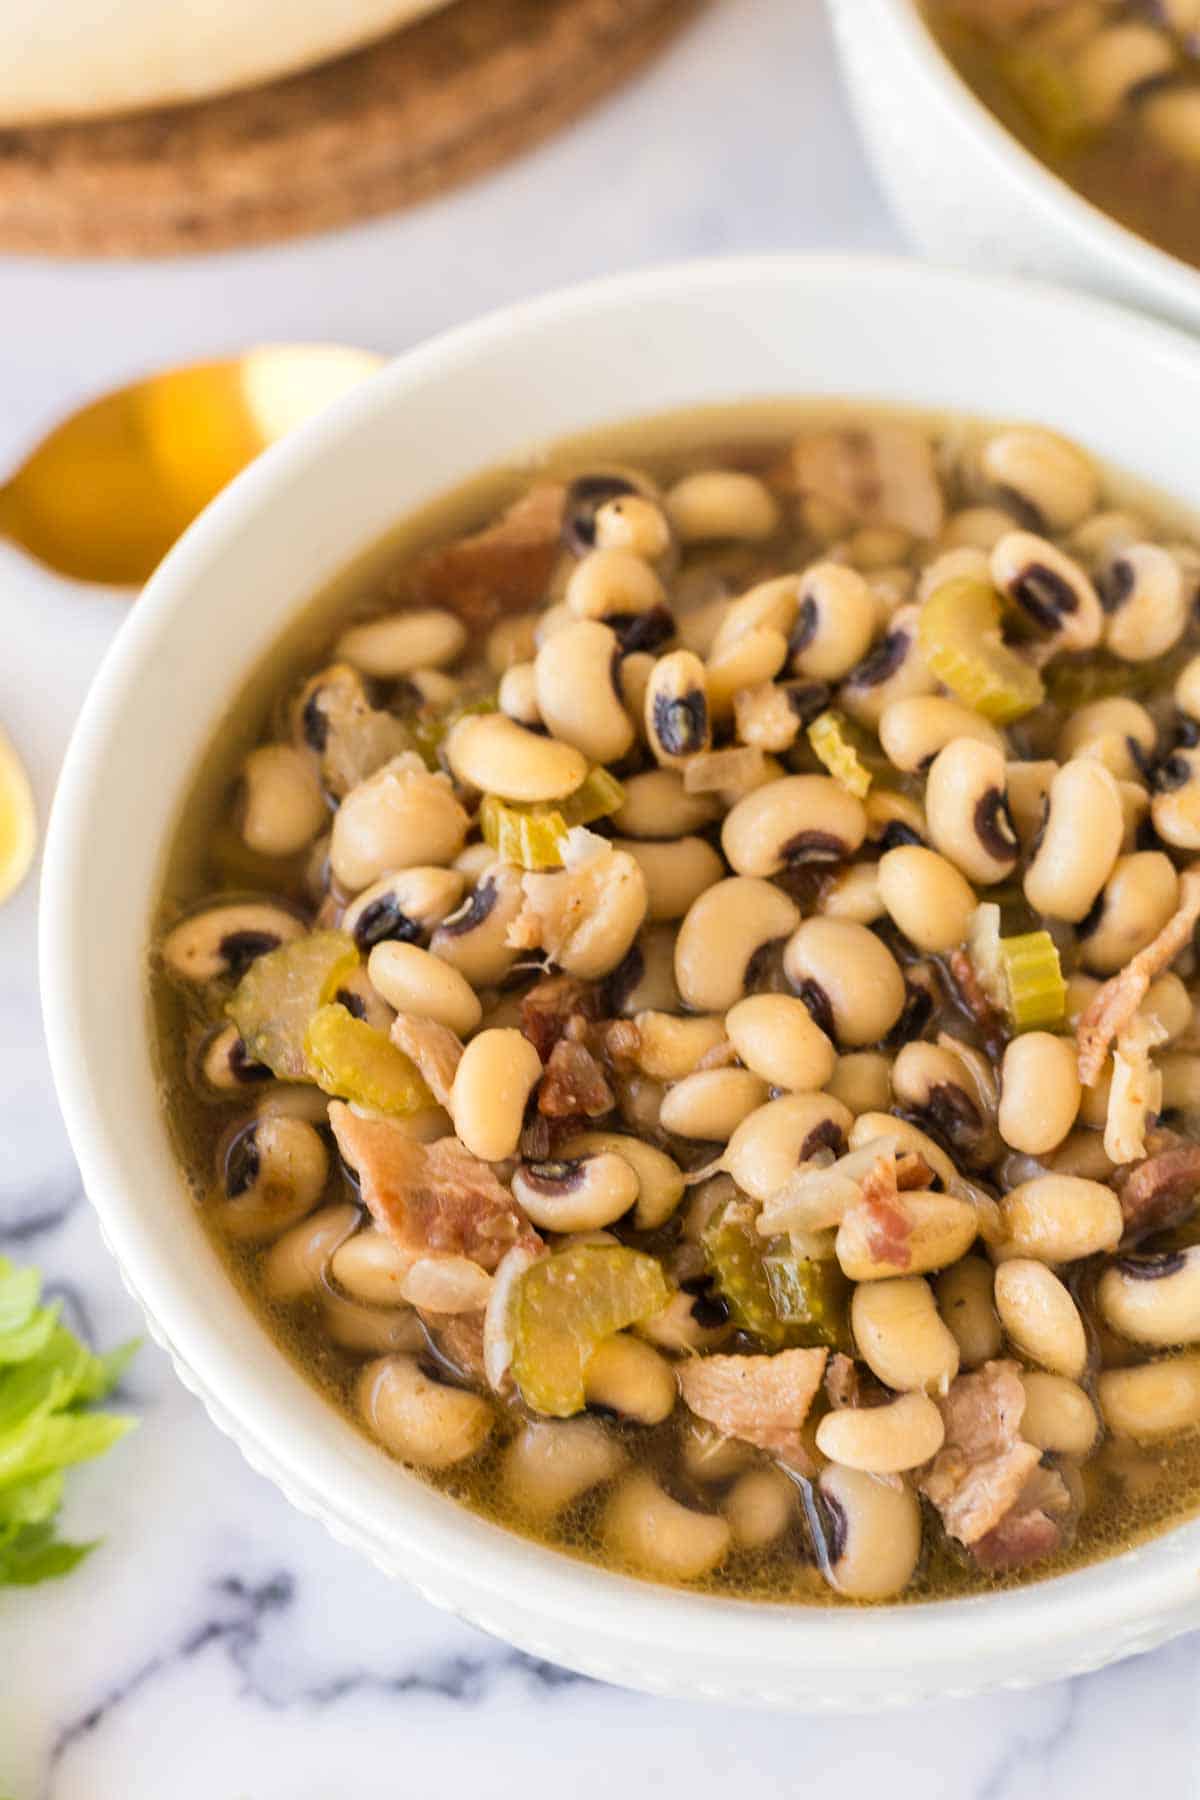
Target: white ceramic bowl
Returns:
[[966, 191], [705, 334]]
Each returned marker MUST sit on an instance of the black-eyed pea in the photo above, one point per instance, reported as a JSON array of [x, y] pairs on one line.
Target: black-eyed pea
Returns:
[[862, 1081], [676, 709], [967, 1306], [405, 905], [1050, 588], [223, 1063], [656, 805], [586, 915], [281, 808], [934, 1082], [700, 618], [893, 669], [908, 1138], [967, 810], [660, 1186], [511, 640], [553, 618], [1059, 1416], [1145, 602], [770, 1145], [644, 1527], [551, 1463], [883, 1440], [801, 818], [976, 528], [1082, 1153], [1081, 991], [1186, 692], [676, 870], [1040, 1318], [852, 892], [872, 1533], [1045, 475], [1080, 844], [474, 861], [474, 938], [397, 643], [708, 1457], [769, 605], [1060, 1218], [493, 754], [578, 1193], [722, 505], [629, 1377], [433, 687], [419, 1420], [1116, 731], [1151, 1401], [901, 1337], [712, 1103], [941, 1228], [416, 981], [398, 818], [671, 1045], [964, 562], [1027, 787], [370, 1267], [371, 1330], [1180, 1070], [292, 1100], [1115, 62], [913, 731], [517, 696], [926, 896], [848, 979], [760, 1507], [894, 819], [275, 1171], [222, 941], [722, 933], [640, 1103], [1101, 536], [359, 995], [836, 620], [891, 589], [634, 523], [749, 661], [1039, 1092], [1131, 909], [775, 1036], [576, 693], [876, 546], [295, 1264], [1153, 1299], [644, 980], [498, 1072], [1175, 807], [612, 584], [1170, 1006]]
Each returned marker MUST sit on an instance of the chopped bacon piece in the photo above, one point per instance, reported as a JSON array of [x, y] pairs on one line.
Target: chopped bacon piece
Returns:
[[888, 1229], [843, 1384], [881, 475], [620, 1040], [550, 1005], [1112, 1008], [434, 1048], [978, 1474], [504, 568], [430, 1197], [1159, 1191], [573, 1084], [761, 1399], [1031, 1529]]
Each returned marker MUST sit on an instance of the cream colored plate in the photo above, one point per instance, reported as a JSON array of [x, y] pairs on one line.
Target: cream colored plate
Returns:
[[75, 59]]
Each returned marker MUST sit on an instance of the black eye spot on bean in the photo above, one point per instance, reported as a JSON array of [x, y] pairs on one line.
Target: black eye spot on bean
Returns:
[[1116, 585], [1153, 1267], [241, 1067], [818, 1004], [814, 846], [383, 922], [1187, 734], [585, 496], [828, 1135], [316, 725], [807, 699], [353, 1003], [805, 628], [881, 663], [474, 910], [831, 1522], [915, 1016], [680, 725], [710, 1309], [642, 631], [240, 948], [1141, 760], [994, 827], [242, 1163], [953, 1111], [1045, 595], [1023, 510], [1173, 773], [896, 834], [555, 1177]]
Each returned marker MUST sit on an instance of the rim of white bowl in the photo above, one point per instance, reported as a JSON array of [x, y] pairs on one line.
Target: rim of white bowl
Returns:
[[1099, 232], [553, 1605]]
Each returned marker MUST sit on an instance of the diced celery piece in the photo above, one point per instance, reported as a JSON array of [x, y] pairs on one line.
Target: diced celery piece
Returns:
[[1037, 993], [959, 633], [280, 992], [565, 1306], [349, 1058]]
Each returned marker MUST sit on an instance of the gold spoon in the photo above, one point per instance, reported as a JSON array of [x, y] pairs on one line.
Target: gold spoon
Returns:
[[104, 497]]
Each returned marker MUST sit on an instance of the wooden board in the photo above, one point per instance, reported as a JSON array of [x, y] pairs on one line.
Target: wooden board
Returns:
[[432, 105]]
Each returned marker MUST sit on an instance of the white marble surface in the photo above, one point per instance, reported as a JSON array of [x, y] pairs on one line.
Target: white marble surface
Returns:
[[218, 1646]]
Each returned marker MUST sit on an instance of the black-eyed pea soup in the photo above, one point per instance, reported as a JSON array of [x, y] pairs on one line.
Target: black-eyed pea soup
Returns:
[[676, 990], [1105, 92]]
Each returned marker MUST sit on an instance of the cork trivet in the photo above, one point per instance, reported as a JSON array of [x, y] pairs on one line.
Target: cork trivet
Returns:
[[444, 99]]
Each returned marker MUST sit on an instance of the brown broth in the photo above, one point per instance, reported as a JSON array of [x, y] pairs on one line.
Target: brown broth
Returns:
[[1132, 1494]]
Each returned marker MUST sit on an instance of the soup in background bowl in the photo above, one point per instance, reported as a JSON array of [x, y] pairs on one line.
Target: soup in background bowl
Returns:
[[213, 654]]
